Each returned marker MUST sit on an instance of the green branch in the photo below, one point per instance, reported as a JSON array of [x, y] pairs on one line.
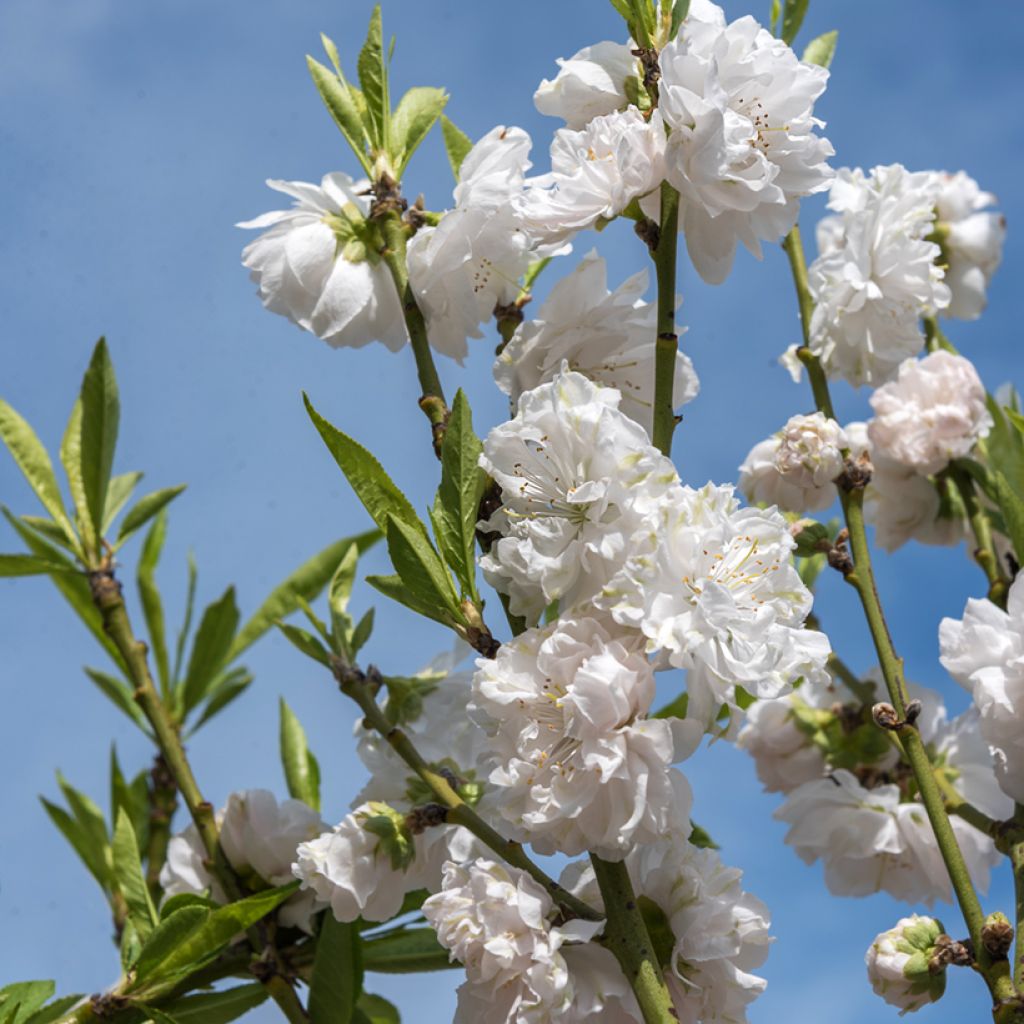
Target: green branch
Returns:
[[667, 341], [985, 553]]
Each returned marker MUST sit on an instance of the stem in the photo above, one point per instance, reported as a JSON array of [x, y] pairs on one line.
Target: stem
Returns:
[[956, 804], [106, 594], [459, 812], [626, 935], [667, 342], [163, 802], [862, 578], [985, 553], [432, 401]]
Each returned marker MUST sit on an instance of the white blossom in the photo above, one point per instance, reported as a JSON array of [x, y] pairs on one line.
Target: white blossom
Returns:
[[742, 148], [897, 963], [984, 652], [317, 265], [474, 258], [875, 275], [783, 752], [901, 504], [578, 478], [972, 242], [577, 764], [720, 931], [258, 836], [589, 84], [497, 922], [595, 174], [609, 337], [933, 412], [795, 467], [714, 588]]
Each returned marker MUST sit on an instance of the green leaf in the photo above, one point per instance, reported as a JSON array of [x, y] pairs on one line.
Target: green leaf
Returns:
[[415, 115], [307, 643], [623, 8], [373, 78], [812, 539], [149, 597], [95, 856], [210, 648], [377, 1010], [32, 565], [20, 1000], [130, 878], [822, 49], [73, 585], [49, 530], [337, 973], [407, 951], [338, 595], [679, 11], [54, 1011], [173, 904], [457, 507], [776, 12], [231, 686], [192, 936], [364, 627], [307, 582], [34, 462], [793, 12], [120, 694], [393, 587], [373, 487], [701, 838], [101, 411], [144, 510], [1011, 505], [676, 708], [133, 799], [340, 103], [457, 144], [420, 568], [121, 489], [71, 459], [301, 771], [216, 1007], [332, 53]]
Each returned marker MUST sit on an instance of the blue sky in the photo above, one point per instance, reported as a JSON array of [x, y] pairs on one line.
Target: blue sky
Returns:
[[135, 136]]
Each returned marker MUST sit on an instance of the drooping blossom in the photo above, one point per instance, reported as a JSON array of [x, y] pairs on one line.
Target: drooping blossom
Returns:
[[577, 765], [473, 259], [714, 589], [932, 413], [898, 964], [258, 836], [578, 478], [742, 148], [795, 467], [875, 275], [984, 652], [972, 242], [499, 924], [589, 84], [318, 265], [609, 337]]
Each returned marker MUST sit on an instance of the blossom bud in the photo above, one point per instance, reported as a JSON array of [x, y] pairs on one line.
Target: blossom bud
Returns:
[[997, 935], [885, 716], [390, 827], [898, 964]]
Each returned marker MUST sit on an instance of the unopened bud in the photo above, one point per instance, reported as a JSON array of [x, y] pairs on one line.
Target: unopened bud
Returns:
[[913, 711], [997, 935], [900, 963], [885, 716]]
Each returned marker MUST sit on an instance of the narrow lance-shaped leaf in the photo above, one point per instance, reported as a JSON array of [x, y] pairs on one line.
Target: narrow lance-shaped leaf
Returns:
[[119, 693], [133, 798], [71, 460], [420, 568], [216, 1007], [210, 648], [822, 49], [373, 78], [337, 973], [793, 12], [230, 687], [50, 531], [30, 565], [149, 597], [306, 642], [377, 1009], [129, 876], [186, 624], [373, 487], [147, 506], [307, 581], [1011, 505], [118, 494], [410, 950], [34, 462], [340, 104], [54, 1011], [393, 587], [458, 498], [679, 11], [301, 771], [21, 999], [457, 144], [415, 115], [101, 411]]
